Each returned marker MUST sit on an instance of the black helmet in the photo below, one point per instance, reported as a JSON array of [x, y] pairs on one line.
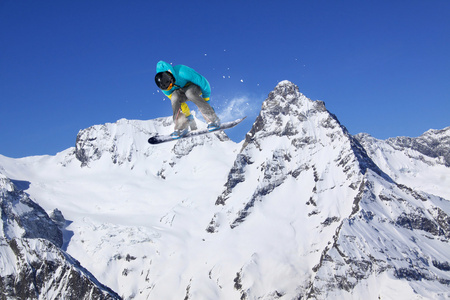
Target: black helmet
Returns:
[[164, 80]]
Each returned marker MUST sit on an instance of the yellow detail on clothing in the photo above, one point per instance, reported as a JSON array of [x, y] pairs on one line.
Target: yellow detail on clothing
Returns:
[[206, 99], [185, 109]]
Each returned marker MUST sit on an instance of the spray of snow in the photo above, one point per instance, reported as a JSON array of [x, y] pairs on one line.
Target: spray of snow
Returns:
[[236, 108]]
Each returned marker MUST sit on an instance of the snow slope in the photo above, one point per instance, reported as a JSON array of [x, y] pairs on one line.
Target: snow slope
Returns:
[[422, 162], [299, 210]]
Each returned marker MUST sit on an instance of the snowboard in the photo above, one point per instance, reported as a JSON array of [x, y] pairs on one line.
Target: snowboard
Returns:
[[158, 139]]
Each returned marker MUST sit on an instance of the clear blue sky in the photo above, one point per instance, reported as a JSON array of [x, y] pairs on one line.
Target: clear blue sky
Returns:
[[383, 67]]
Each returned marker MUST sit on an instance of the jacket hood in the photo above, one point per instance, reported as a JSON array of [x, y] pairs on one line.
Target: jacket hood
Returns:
[[162, 66]]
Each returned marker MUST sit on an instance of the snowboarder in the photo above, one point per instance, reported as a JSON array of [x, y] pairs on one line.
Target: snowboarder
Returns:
[[181, 83]]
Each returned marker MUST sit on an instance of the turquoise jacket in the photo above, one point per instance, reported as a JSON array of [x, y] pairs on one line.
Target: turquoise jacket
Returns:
[[183, 76]]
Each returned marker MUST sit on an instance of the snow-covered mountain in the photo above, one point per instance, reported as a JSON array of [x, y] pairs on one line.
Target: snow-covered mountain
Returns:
[[421, 162], [300, 209], [33, 266]]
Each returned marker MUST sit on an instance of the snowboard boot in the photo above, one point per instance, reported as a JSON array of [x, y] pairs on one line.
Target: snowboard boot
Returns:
[[179, 133], [214, 125]]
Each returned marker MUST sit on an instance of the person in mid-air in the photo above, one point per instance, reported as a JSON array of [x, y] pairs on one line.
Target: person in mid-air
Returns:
[[181, 83]]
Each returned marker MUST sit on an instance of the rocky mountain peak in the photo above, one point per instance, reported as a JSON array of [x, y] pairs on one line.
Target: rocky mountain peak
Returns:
[[298, 155], [125, 141], [284, 100], [294, 136], [422, 162], [288, 113], [433, 143], [120, 141]]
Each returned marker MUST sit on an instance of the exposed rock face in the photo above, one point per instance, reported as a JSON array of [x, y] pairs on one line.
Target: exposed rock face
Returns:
[[120, 141], [43, 271], [390, 231], [33, 265], [125, 141], [23, 218], [58, 218], [433, 143], [421, 162]]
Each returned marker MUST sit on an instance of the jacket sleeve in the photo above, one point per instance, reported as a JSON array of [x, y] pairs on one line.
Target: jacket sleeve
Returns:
[[191, 75]]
